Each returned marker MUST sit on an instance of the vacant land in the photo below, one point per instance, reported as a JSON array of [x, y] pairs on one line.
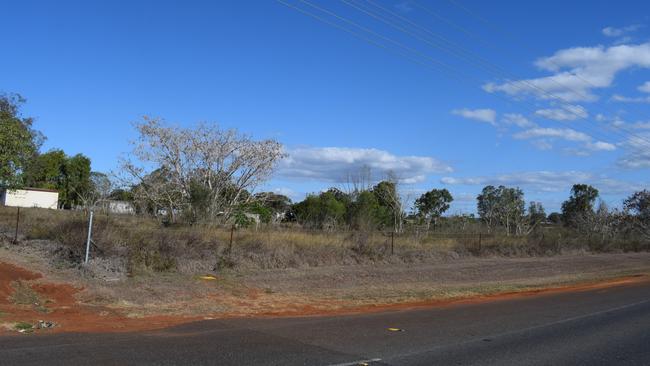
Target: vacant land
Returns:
[[33, 288], [146, 275]]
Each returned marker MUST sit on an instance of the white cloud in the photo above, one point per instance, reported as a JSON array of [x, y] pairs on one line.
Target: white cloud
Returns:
[[600, 146], [645, 87], [337, 164], [543, 137], [549, 181], [624, 99], [638, 156], [517, 120], [565, 113], [562, 133], [617, 32], [481, 115], [577, 71], [540, 180]]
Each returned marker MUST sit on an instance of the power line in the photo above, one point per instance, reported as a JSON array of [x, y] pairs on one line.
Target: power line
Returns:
[[492, 68], [585, 82], [383, 19], [375, 34]]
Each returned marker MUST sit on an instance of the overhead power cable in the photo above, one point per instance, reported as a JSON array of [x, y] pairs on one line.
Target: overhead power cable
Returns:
[[469, 56], [390, 40], [511, 35]]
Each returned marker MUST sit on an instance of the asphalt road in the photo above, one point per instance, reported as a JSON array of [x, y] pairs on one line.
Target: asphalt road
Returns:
[[595, 327]]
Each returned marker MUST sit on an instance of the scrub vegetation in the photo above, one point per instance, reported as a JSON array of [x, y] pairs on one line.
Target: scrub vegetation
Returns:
[[190, 190]]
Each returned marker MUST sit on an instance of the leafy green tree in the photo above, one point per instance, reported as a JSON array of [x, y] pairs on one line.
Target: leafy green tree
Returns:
[[70, 176], [638, 205], [278, 205], [431, 205], [580, 203], [265, 214], [121, 194], [391, 202], [325, 210], [366, 213], [77, 182], [47, 170], [536, 212], [502, 206], [512, 209], [488, 206], [18, 141], [637, 209], [536, 215], [555, 218]]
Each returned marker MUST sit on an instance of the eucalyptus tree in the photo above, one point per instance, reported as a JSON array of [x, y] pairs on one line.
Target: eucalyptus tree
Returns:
[[431, 205], [227, 164], [502, 206], [580, 203]]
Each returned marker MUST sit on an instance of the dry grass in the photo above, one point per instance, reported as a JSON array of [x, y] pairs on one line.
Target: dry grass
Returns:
[[129, 245], [23, 294]]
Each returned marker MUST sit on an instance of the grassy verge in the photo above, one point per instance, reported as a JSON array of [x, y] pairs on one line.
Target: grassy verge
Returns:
[[138, 245]]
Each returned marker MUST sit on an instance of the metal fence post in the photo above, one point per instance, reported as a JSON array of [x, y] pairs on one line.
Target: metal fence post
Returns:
[[392, 243], [17, 222], [90, 231]]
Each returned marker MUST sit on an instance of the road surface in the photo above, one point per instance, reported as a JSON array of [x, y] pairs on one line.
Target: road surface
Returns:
[[603, 326]]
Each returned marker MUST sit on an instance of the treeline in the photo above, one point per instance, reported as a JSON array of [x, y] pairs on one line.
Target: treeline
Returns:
[[205, 174]]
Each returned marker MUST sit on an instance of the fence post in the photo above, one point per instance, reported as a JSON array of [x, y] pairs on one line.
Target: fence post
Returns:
[[90, 231], [480, 237], [17, 222], [232, 231], [392, 243]]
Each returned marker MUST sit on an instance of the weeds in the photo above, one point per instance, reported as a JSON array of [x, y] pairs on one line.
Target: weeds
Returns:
[[24, 327], [24, 295], [134, 244]]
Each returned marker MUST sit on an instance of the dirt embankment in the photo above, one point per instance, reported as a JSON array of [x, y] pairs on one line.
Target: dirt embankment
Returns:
[[25, 298], [78, 304]]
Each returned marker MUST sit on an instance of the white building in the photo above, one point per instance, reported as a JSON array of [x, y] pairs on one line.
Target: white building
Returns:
[[30, 197], [118, 207]]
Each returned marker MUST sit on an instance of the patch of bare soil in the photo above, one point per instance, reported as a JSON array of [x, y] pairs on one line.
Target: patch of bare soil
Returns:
[[56, 303], [78, 302]]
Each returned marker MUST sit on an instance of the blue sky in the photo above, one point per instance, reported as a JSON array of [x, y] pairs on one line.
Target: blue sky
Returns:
[[338, 102]]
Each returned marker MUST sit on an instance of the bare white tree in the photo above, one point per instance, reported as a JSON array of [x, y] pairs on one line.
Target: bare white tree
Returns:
[[224, 163], [99, 191]]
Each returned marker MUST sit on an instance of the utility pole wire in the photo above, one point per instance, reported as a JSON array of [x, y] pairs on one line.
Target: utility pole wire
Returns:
[[559, 67], [483, 63], [359, 36], [589, 134]]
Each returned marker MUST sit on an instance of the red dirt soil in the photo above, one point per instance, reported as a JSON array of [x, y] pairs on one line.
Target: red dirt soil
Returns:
[[64, 310], [72, 316]]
